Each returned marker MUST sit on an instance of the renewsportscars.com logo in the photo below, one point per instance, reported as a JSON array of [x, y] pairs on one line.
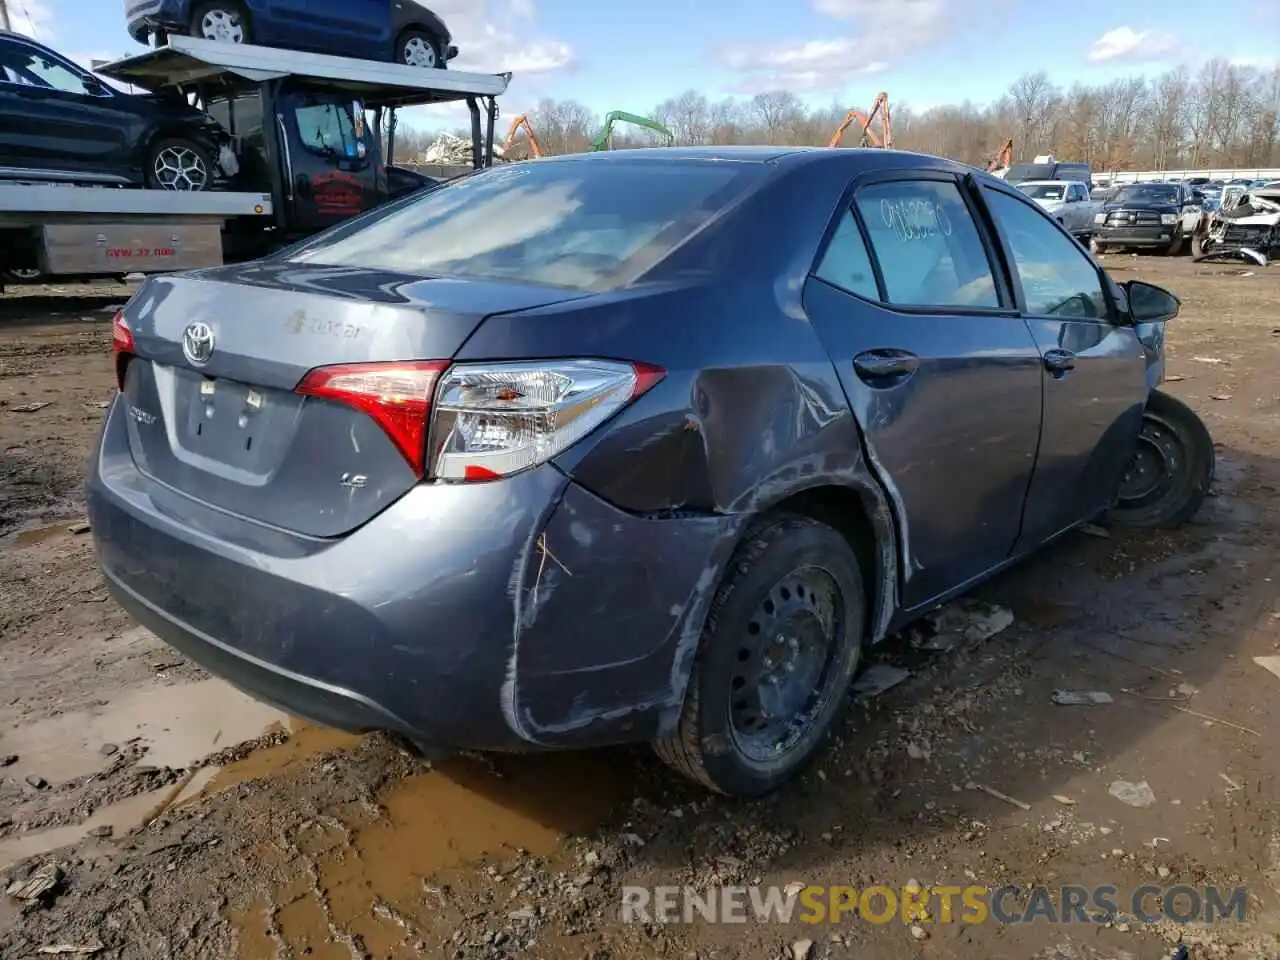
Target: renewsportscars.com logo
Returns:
[[937, 904]]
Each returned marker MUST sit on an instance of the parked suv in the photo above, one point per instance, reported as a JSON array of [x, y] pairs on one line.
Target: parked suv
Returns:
[[400, 31], [59, 122]]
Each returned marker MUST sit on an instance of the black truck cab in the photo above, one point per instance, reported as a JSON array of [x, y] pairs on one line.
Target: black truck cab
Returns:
[[315, 132]]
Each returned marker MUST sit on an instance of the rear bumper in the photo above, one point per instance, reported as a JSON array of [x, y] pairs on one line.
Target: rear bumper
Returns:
[[514, 615], [144, 17]]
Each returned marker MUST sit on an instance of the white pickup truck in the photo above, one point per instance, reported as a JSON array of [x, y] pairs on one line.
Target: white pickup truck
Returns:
[[1068, 200]]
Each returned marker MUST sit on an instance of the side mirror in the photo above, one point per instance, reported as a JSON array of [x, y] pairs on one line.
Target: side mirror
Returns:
[[94, 87], [1149, 303]]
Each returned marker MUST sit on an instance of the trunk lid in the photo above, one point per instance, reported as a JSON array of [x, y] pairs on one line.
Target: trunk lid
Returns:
[[228, 429]]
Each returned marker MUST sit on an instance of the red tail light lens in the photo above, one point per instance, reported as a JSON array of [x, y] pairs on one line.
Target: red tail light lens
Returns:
[[396, 395], [122, 348]]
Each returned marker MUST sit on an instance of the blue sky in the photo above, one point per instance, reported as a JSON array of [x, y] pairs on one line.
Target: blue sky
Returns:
[[620, 54]]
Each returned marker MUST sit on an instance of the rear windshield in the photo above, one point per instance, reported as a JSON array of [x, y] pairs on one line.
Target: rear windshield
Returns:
[[582, 224], [1148, 192], [1029, 171], [1044, 191]]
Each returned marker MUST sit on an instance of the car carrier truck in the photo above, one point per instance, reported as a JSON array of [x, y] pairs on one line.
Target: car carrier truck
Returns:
[[315, 137]]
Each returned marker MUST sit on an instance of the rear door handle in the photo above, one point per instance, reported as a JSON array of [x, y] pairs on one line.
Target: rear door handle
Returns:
[[1059, 361], [879, 365]]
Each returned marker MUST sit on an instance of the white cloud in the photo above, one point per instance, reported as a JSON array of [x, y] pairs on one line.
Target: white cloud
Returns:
[[34, 18], [881, 32], [817, 65], [891, 21], [1263, 64], [1134, 45], [494, 36]]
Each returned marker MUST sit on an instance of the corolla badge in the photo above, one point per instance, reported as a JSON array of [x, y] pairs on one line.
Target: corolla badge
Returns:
[[197, 343]]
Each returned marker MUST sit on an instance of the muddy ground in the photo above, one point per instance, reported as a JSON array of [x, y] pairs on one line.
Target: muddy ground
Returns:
[[166, 816]]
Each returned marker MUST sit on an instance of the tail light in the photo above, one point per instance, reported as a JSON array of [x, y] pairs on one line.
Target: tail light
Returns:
[[485, 420], [396, 395], [122, 348]]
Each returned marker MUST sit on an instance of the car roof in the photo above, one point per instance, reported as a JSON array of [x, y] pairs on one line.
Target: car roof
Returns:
[[1046, 183], [857, 159]]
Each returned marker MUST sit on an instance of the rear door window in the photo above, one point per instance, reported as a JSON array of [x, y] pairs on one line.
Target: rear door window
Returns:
[[929, 249]]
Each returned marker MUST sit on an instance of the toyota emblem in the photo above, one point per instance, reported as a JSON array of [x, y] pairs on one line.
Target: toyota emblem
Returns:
[[197, 343]]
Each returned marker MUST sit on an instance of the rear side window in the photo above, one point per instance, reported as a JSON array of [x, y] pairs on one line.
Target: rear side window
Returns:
[[846, 264], [581, 224], [927, 245]]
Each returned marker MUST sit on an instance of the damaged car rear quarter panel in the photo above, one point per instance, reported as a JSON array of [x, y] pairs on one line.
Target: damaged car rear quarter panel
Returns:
[[628, 579]]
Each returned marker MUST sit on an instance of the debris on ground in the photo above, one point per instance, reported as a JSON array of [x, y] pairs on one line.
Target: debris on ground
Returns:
[[1270, 664], [878, 678], [31, 407], [40, 886], [993, 792], [69, 949], [1080, 698], [964, 621], [1137, 794]]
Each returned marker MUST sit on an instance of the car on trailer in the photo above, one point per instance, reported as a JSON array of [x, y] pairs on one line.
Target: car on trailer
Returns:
[[90, 133], [401, 31], [308, 131], [601, 449]]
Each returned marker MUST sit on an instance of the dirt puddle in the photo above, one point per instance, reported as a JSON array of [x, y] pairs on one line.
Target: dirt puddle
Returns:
[[361, 878], [357, 869], [178, 723]]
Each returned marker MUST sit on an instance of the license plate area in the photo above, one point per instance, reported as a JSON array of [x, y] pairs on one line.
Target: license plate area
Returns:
[[236, 425]]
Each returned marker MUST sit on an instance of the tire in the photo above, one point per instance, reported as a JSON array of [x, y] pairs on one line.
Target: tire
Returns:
[[1096, 248], [221, 20], [1172, 467], [780, 580], [1200, 245], [417, 48], [175, 163]]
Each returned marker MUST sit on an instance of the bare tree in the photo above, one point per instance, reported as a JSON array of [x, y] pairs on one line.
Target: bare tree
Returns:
[[775, 112], [1225, 115]]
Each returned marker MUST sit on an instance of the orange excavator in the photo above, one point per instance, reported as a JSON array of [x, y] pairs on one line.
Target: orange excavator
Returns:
[[535, 148], [868, 138], [1002, 160]]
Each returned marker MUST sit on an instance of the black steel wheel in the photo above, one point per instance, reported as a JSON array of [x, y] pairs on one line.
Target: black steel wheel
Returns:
[[1171, 470], [779, 649]]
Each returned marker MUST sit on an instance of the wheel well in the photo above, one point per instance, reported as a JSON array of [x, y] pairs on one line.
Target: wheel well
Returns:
[[842, 509], [422, 28]]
